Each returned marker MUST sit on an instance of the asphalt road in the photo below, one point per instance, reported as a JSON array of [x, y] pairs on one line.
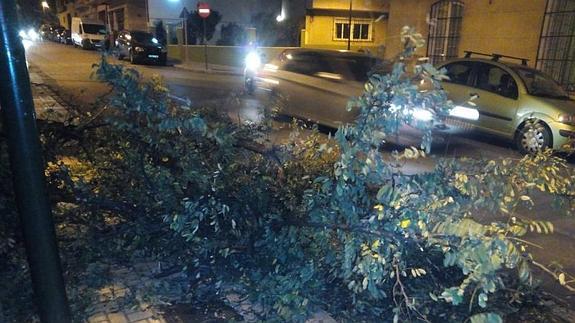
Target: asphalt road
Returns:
[[69, 70]]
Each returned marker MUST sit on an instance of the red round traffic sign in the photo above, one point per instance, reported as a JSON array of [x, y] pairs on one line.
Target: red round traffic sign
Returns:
[[204, 9]]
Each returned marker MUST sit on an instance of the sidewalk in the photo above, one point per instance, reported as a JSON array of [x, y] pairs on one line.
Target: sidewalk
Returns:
[[47, 104], [126, 285]]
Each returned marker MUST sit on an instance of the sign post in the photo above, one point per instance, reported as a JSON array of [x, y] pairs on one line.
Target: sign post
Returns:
[[204, 12]]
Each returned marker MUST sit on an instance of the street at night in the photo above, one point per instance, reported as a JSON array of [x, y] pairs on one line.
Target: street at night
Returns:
[[313, 161], [72, 73]]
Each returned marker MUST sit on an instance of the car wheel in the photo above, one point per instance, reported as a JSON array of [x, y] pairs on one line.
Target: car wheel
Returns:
[[533, 137]]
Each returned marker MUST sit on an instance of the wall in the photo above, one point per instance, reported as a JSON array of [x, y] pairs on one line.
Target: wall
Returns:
[[136, 15], [406, 13], [319, 33], [220, 55], [375, 5], [509, 27]]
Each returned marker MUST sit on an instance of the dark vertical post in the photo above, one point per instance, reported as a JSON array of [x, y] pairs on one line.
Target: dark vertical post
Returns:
[[28, 172], [350, 26], [205, 45]]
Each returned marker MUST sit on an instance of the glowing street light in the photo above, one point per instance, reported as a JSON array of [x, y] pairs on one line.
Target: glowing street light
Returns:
[[45, 5], [280, 17]]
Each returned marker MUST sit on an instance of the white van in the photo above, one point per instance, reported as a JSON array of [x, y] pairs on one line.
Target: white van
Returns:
[[88, 34]]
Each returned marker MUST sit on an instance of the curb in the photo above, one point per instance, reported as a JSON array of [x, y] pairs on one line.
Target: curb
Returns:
[[212, 69]]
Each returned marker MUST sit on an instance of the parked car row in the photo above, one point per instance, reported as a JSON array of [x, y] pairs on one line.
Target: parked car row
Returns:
[[512, 101], [55, 33], [137, 46]]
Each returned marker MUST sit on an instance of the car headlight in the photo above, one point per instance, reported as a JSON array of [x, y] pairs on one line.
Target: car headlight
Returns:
[[138, 49], [567, 119], [422, 114], [253, 61]]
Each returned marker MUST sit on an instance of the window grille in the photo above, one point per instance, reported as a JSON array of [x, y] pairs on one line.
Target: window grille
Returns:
[[444, 29], [556, 53]]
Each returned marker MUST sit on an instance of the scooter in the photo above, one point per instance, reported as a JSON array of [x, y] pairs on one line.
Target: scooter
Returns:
[[253, 62]]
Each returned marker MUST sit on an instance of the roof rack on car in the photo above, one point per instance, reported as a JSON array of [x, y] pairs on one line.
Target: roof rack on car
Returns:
[[468, 54], [495, 57], [524, 61]]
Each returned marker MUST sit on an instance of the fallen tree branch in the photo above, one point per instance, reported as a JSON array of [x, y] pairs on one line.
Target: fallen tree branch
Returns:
[[553, 274]]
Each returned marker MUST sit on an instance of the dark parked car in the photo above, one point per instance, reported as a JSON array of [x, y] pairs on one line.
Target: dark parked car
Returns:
[[54, 33], [44, 31], [140, 47], [65, 37]]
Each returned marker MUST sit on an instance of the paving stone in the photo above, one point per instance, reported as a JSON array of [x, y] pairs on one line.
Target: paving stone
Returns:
[[118, 318], [98, 318], [139, 316]]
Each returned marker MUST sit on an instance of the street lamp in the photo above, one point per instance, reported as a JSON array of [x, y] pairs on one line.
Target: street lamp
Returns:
[[282, 16], [45, 6]]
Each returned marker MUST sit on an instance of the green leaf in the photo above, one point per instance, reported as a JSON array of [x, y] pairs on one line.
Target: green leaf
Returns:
[[482, 300], [486, 318]]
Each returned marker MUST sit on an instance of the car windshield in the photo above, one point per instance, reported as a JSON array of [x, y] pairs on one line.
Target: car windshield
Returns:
[[539, 84], [94, 29], [143, 37]]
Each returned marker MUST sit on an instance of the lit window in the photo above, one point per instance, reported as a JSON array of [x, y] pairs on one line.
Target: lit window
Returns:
[[556, 54], [361, 29], [444, 28]]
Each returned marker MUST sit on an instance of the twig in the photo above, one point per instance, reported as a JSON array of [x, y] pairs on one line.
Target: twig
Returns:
[[554, 275]]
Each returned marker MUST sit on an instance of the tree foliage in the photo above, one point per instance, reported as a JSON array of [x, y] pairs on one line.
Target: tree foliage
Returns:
[[196, 25], [232, 34], [273, 33]]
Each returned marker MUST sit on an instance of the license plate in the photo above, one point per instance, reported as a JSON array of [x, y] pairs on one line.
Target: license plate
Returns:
[[153, 56]]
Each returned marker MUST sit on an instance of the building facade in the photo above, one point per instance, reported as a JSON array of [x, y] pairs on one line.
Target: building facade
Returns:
[[327, 24], [117, 14], [542, 31]]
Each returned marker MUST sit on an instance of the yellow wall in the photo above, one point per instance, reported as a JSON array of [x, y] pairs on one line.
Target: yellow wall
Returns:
[[509, 27], [406, 13], [375, 5], [319, 33]]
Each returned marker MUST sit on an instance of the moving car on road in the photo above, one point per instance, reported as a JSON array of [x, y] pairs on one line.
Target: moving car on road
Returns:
[[139, 47], [318, 83], [514, 101]]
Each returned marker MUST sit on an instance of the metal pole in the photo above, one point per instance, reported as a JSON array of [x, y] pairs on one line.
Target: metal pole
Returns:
[[28, 172], [350, 26], [147, 16], [205, 46]]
